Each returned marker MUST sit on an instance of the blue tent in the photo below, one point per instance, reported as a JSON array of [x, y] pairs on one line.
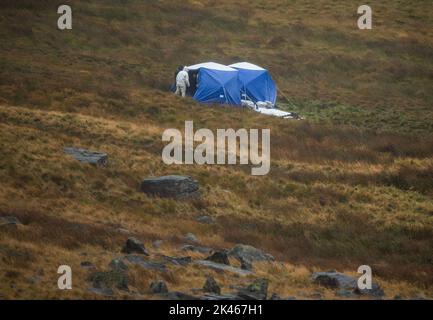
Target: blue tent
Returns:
[[217, 84], [256, 82]]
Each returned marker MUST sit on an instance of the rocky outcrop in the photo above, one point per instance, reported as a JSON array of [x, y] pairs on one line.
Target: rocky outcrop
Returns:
[[146, 264], [345, 284], [249, 253], [219, 257], [189, 237], [199, 249], [133, 245], [86, 156], [222, 267], [177, 187], [179, 261]]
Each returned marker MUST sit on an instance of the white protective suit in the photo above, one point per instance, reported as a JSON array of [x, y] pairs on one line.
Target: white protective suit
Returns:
[[182, 82]]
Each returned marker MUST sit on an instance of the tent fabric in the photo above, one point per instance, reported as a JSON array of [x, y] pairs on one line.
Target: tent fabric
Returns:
[[217, 83], [256, 82]]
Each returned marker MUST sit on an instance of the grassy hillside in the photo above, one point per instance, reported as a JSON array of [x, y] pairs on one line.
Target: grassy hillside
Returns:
[[352, 185]]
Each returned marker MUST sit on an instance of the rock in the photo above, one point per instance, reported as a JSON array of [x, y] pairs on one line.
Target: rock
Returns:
[[222, 267], [258, 290], [199, 249], [275, 297], [222, 297], [87, 265], [118, 264], [150, 265], [336, 280], [158, 287], [9, 221], [86, 156], [157, 244], [179, 261], [246, 264], [211, 286], [109, 280], [191, 238], [35, 280], [124, 231], [205, 219], [177, 187], [219, 257], [133, 245], [249, 253]]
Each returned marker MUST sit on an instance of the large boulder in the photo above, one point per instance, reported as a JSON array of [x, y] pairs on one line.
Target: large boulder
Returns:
[[146, 264], [345, 283], [86, 156], [133, 245], [219, 257], [177, 187], [249, 253]]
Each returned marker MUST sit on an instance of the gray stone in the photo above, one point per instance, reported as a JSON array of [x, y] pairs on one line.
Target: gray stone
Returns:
[[246, 264], [9, 221], [177, 187], [336, 280], [118, 264], [249, 253], [133, 245], [218, 297], [158, 287], [86, 156], [191, 237], [211, 286], [275, 297], [205, 219], [150, 265], [179, 261], [199, 249], [258, 290], [219, 257], [222, 267]]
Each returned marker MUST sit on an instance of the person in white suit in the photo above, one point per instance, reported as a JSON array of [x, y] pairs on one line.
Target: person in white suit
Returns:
[[182, 82]]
